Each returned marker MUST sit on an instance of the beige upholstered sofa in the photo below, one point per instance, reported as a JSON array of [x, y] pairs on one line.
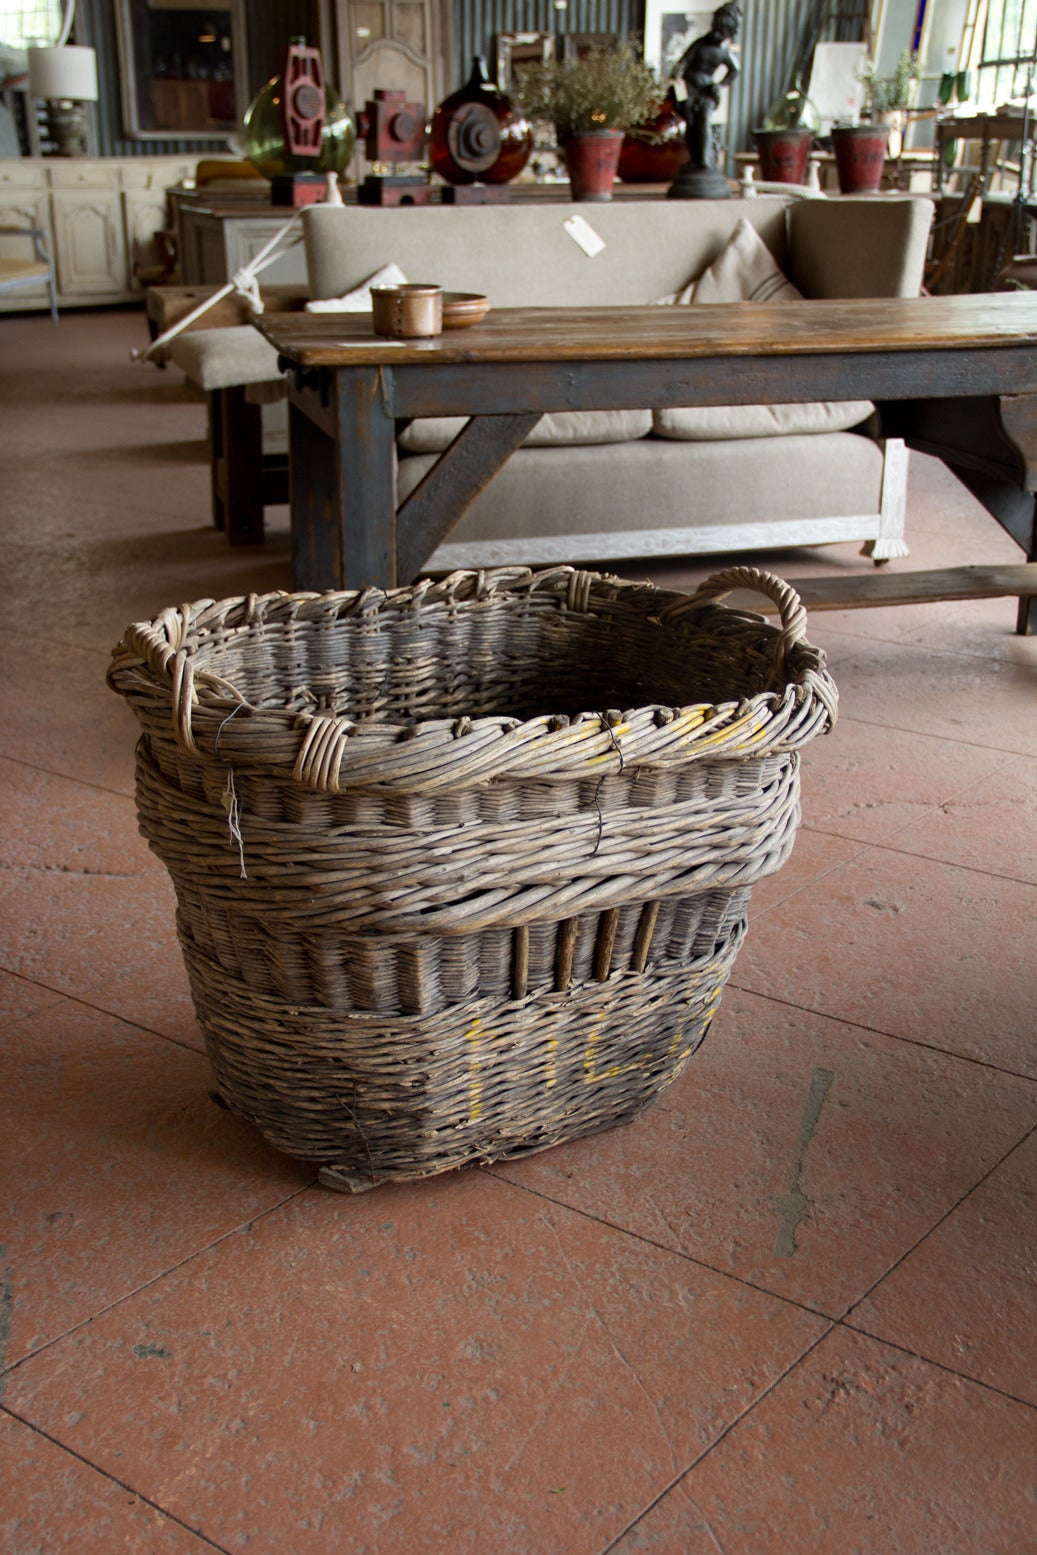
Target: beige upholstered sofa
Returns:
[[601, 485]]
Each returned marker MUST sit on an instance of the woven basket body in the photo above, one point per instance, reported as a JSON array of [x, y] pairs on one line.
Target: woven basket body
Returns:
[[462, 869]]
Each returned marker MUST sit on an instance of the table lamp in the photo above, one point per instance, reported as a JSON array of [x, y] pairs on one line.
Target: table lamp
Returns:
[[66, 78]]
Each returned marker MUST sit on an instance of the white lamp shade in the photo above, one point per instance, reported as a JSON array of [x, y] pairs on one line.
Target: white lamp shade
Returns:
[[64, 72]]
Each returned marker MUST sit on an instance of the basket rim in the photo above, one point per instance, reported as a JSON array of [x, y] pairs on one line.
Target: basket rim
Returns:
[[323, 752]]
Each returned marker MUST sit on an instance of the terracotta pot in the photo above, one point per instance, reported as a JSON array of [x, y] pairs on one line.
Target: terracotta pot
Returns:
[[654, 151], [860, 155], [591, 160], [783, 154]]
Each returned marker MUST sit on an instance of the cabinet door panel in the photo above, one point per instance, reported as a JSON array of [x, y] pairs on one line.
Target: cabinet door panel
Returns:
[[409, 26], [89, 246], [405, 45]]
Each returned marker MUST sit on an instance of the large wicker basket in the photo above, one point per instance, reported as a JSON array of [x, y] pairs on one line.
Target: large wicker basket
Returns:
[[462, 868]]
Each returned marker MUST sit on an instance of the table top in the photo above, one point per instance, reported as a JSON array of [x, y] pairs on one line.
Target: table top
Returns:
[[516, 335]]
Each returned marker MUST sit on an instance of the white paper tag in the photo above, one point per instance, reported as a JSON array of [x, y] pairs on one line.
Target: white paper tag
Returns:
[[584, 236], [679, 89]]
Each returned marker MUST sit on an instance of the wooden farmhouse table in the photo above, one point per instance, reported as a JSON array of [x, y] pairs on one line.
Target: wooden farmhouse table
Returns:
[[955, 376]]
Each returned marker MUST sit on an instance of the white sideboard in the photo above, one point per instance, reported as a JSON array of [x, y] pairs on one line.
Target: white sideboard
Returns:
[[100, 216]]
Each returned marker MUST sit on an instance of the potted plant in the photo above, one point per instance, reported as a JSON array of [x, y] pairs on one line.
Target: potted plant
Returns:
[[887, 98], [860, 149], [592, 99], [784, 140]]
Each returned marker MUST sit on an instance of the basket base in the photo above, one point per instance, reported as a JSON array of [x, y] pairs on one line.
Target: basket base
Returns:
[[346, 1179], [375, 1098]]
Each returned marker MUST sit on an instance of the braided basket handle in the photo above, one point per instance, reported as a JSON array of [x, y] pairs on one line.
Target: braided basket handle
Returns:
[[790, 606]]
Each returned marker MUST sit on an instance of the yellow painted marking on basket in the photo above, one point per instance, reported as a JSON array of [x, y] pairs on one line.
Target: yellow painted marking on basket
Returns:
[[708, 1011], [551, 1069], [722, 736], [616, 730], [678, 1037], [576, 732], [684, 727], [591, 1075]]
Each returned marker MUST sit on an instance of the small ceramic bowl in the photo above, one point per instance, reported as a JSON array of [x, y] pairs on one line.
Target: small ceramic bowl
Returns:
[[463, 308]]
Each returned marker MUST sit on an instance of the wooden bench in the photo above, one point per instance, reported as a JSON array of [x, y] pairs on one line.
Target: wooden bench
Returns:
[[859, 591], [245, 478]]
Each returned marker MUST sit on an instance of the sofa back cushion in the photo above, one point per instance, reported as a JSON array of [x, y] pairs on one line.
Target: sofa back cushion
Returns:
[[874, 246], [521, 255]]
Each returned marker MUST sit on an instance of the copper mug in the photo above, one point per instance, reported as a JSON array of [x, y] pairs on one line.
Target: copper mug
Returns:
[[410, 311]]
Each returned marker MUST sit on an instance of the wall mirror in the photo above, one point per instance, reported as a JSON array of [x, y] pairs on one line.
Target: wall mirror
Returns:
[[182, 68], [515, 49]]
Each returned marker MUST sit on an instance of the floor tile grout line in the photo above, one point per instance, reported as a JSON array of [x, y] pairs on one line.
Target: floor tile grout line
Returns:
[[662, 1247], [861, 849], [836, 1324], [32, 982], [888, 845], [944, 739], [65, 777], [723, 1435], [932, 650], [980, 745], [974, 869], [7, 1372], [112, 1479], [985, 1177], [100, 1009], [877, 1031], [968, 655], [931, 1360]]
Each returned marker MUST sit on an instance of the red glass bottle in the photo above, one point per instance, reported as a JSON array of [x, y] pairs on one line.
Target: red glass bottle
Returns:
[[477, 136], [653, 151]]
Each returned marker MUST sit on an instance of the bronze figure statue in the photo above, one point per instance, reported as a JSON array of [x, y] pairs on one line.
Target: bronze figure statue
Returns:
[[696, 98]]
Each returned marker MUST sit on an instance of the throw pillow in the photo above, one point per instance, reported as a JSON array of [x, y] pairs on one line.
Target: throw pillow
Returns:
[[359, 299], [746, 271]]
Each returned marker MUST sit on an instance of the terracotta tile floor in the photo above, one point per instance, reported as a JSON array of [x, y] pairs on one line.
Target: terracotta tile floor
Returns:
[[791, 1309]]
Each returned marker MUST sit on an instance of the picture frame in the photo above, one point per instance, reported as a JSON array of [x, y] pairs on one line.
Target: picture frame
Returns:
[[669, 30], [175, 87], [575, 45], [515, 49]]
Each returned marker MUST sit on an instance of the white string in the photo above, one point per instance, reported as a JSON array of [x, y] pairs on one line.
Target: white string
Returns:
[[246, 284], [230, 804], [243, 282]]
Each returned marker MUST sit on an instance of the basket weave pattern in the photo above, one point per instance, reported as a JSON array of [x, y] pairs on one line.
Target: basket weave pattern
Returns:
[[461, 869]]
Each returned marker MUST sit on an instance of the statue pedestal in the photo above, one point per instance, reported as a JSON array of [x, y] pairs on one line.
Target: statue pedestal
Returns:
[[699, 183]]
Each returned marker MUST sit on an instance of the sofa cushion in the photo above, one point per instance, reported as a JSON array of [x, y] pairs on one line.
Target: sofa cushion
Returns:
[[223, 358], [644, 498], [563, 429], [704, 423], [746, 271]]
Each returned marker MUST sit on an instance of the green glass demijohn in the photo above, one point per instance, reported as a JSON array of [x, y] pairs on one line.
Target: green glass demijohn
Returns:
[[793, 110], [265, 144]]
